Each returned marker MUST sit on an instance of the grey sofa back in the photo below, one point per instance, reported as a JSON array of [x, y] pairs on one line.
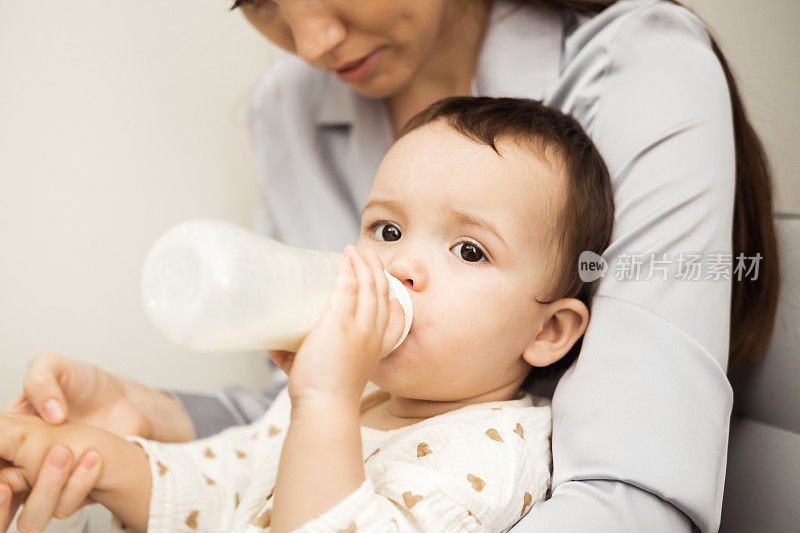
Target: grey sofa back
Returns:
[[762, 486]]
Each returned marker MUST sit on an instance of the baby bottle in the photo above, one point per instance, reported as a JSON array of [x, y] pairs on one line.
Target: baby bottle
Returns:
[[214, 286]]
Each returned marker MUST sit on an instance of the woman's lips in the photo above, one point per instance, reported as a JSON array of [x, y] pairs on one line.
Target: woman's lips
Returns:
[[360, 69]]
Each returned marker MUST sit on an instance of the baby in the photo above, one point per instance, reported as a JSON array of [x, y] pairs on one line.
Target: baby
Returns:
[[481, 208]]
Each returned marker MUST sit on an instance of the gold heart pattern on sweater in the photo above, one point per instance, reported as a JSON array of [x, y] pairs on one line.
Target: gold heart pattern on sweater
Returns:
[[191, 520], [263, 520], [526, 501], [411, 499], [494, 435], [423, 449], [477, 483]]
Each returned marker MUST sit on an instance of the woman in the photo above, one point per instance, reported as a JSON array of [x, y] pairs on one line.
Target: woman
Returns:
[[641, 420]]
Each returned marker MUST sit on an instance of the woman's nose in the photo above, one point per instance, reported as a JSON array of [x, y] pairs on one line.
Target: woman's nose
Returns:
[[316, 30], [410, 271]]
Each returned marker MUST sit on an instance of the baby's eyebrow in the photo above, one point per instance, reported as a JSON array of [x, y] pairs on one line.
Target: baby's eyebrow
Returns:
[[391, 204], [471, 220]]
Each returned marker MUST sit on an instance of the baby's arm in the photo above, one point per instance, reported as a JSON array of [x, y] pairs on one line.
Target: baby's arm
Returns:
[[124, 484], [321, 458]]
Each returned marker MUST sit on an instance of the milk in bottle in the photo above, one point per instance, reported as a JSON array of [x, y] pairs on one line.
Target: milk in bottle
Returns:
[[214, 286]]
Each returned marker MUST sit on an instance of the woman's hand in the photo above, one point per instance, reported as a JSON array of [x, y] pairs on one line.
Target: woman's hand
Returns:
[[34, 456], [357, 330], [282, 359], [38, 468], [59, 389], [60, 489]]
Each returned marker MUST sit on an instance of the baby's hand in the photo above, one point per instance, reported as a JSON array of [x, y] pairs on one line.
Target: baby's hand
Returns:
[[357, 330]]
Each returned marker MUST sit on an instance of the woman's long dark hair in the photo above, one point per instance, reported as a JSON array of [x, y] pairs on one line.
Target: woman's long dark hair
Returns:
[[753, 302]]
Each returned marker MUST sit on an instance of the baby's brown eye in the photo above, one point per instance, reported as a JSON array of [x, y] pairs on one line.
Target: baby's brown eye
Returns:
[[469, 252], [387, 232]]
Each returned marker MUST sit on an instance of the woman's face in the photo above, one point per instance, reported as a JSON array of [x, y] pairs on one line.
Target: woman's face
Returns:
[[375, 46]]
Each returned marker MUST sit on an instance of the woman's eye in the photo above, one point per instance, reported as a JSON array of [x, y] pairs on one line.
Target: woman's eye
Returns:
[[387, 232], [469, 252], [257, 4]]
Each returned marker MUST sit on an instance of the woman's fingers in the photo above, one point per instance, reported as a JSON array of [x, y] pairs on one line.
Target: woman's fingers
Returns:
[[19, 405], [6, 515], [83, 479], [13, 488], [42, 501], [56, 493], [42, 388]]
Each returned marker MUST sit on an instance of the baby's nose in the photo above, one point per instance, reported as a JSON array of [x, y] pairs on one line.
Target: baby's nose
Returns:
[[410, 271]]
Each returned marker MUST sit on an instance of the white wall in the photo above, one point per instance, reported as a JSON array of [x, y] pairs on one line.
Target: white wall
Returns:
[[117, 121], [121, 119], [761, 40]]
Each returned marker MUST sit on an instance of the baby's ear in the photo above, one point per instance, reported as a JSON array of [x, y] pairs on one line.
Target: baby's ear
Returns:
[[563, 323]]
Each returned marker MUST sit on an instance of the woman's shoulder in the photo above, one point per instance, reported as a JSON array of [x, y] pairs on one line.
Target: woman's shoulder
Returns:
[[656, 38], [627, 19], [638, 71], [653, 40]]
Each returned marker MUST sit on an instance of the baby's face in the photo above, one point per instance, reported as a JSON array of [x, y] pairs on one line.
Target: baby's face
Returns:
[[469, 234]]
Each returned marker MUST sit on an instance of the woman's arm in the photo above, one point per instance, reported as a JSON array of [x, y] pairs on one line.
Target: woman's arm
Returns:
[[210, 413], [58, 388], [641, 420]]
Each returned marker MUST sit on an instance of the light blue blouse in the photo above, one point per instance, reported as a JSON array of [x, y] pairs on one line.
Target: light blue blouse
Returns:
[[640, 425]]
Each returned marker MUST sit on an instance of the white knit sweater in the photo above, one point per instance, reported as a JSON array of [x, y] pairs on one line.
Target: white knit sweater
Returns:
[[478, 468]]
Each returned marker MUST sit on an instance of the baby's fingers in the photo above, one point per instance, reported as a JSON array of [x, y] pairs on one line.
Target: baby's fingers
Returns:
[[367, 297], [345, 296], [381, 289]]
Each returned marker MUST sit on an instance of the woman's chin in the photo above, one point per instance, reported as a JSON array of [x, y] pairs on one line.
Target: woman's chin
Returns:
[[383, 84], [374, 89]]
